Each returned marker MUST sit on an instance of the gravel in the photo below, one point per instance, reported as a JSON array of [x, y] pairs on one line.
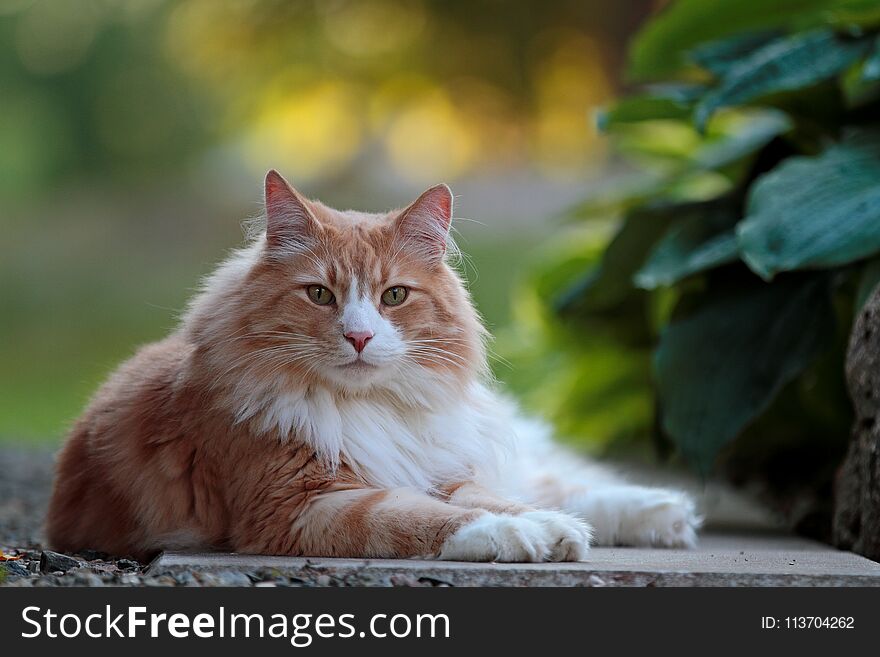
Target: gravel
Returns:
[[26, 560]]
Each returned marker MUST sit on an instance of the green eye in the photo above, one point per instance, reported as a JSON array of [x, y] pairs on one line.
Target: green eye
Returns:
[[321, 295], [394, 296]]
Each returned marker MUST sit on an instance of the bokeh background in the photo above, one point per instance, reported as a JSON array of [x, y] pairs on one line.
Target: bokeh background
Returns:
[[134, 135]]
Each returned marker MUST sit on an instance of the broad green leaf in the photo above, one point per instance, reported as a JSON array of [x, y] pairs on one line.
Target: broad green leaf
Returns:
[[701, 238], [718, 56], [720, 367], [814, 212], [783, 65], [660, 49]]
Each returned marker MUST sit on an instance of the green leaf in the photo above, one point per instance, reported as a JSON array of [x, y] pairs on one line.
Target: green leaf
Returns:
[[871, 70], [700, 239], [641, 108], [718, 56], [686, 93], [660, 49], [782, 65], [721, 367], [814, 212], [610, 283], [754, 130]]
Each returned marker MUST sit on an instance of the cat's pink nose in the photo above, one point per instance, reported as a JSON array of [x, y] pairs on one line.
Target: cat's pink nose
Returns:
[[359, 339]]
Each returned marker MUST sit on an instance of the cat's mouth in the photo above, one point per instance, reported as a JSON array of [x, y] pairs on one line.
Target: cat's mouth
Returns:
[[358, 364]]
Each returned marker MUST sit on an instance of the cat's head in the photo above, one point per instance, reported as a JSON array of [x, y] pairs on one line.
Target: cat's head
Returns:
[[342, 299]]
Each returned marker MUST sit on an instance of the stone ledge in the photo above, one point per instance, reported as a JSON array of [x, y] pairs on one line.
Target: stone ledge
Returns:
[[722, 559]]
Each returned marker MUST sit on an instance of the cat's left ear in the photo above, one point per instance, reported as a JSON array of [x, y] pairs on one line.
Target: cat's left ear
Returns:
[[425, 223], [289, 220]]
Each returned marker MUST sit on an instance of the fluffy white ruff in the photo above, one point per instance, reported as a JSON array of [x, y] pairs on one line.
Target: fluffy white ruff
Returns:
[[427, 435]]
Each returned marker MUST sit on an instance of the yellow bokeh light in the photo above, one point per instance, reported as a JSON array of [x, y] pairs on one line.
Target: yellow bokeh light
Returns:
[[211, 39], [569, 80], [308, 132], [428, 142], [372, 28]]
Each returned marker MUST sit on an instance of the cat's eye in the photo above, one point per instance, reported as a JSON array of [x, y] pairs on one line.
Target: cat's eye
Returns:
[[394, 296], [320, 295]]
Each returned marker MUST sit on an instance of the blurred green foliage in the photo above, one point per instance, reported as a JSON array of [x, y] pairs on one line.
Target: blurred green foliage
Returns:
[[714, 320]]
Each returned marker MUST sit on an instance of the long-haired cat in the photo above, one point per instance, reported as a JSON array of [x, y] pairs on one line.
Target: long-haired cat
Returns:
[[326, 394]]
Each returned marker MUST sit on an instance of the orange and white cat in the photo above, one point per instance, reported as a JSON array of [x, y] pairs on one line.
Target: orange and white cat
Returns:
[[326, 394]]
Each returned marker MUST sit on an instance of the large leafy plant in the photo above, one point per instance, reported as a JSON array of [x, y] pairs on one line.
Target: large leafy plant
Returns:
[[718, 312]]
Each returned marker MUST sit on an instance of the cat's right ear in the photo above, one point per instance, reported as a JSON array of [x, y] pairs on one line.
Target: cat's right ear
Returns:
[[288, 217]]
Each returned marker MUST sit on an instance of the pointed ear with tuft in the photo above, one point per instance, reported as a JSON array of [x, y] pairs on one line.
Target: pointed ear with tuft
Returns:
[[424, 225], [289, 221]]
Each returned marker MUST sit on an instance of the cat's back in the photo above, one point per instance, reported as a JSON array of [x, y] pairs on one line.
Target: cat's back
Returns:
[[154, 370], [131, 406], [132, 422]]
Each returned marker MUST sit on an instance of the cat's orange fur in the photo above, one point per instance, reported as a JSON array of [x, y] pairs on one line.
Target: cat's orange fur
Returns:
[[159, 458]]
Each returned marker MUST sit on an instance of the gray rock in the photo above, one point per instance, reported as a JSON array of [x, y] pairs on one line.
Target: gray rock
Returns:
[[14, 569], [51, 562], [856, 523]]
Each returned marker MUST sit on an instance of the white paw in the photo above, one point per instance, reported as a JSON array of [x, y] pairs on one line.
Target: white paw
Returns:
[[640, 516], [662, 518], [568, 537], [492, 537]]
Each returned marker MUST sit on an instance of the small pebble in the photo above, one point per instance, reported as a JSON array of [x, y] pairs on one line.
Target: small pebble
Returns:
[[88, 579], [233, 578]]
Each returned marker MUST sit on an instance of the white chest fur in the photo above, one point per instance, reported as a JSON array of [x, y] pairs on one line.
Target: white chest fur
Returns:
[[392, 444]]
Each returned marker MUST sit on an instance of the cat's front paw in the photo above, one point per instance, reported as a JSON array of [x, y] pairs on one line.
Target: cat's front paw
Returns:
[[545, 536], [493, 537], [568, 537]]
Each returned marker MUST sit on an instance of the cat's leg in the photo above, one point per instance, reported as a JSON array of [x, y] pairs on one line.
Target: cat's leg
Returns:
[[400, 523], [625, 514], [471, 495], [550, 476], [574, 532]]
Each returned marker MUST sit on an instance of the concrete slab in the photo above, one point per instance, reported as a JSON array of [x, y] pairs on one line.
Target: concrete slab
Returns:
[[722, 559]]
